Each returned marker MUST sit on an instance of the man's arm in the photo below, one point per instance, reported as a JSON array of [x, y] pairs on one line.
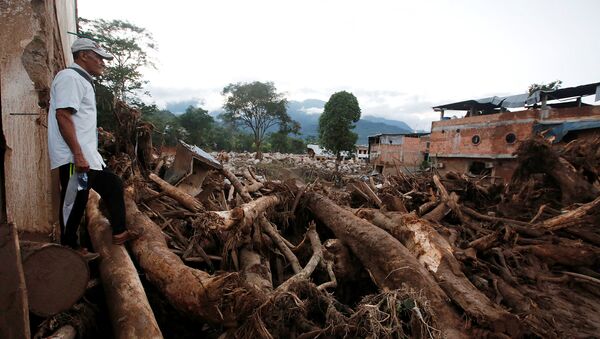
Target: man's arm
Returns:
[[67, 130]]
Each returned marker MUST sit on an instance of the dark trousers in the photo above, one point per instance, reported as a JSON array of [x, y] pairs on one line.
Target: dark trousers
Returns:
[[110, 188]]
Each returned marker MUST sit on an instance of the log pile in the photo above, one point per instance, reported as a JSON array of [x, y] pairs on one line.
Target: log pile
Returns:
[[405, 256]]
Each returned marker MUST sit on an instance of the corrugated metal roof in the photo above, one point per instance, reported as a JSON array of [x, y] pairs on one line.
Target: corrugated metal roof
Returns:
[[201, 155], [558, 131], [522, 100]]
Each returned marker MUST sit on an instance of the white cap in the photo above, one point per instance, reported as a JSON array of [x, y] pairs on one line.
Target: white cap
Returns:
[[85, 44]]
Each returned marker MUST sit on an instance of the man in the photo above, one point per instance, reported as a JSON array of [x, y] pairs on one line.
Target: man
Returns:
[[73, 145]]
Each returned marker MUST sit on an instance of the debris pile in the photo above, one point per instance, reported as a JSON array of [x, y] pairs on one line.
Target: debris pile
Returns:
[[258, 251]]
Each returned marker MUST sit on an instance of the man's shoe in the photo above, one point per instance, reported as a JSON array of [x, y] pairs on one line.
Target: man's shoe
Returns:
[[123, 237], [87, 255]]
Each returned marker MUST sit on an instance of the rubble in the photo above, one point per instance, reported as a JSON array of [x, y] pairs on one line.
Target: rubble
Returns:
[[287, 247]]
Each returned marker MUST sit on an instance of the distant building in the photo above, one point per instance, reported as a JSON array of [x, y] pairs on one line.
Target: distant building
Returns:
[[318, 153], [362, 152], [483, 142], [387, 152]]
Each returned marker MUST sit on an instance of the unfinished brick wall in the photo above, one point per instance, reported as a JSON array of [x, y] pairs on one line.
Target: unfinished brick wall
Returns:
[[455, 136], [412, 152], [453, 144], [383, 154], [573, 113], [407, 152]]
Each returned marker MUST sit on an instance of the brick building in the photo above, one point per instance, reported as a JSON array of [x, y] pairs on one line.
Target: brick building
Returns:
[[483, 142], [388, 151]]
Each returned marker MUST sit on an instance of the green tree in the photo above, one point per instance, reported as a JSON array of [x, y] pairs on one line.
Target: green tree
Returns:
[[551, 86], [256, 106], [312, 139], [297, 146], [130, 45], [105, 105], [198, 125], [282, 142], [337, 121], [166, 125]]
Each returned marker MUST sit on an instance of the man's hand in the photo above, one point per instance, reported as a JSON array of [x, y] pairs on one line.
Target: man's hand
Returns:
[[81, 165]]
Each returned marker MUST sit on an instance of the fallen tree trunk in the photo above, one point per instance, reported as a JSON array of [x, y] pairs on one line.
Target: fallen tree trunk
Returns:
[[537, 156], [570, 217], [393, 203], [183, 198], [248, 212], [573, 186], [426, 207], [254, 185], [438, 213], [255, 270], [130, 312], [574, 254], [65, 332], [435, 253], [450, 200], [210, 298], [55, 276], [391, 265], [279, 242], [369, 192], [344, 265], [237, 185]]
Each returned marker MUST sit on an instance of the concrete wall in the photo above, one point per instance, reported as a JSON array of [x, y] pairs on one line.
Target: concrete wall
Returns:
[[500, 170], [33, 48], [391, 139], [362, 152]]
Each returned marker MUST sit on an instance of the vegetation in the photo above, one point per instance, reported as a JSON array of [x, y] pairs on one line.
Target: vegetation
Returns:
[[337, 121], [130, 45], [255, 107], [551, 86], [280, 141], [258, 107]]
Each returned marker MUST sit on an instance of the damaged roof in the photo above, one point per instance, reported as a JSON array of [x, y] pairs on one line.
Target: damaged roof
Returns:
[[408, 134], [202, 156], [522, 100]]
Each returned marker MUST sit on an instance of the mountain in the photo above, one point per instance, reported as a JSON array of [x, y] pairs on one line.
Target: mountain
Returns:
[[396, 123], [307, 113]]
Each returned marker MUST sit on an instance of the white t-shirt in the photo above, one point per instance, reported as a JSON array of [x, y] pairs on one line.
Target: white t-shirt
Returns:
[[70, 89]]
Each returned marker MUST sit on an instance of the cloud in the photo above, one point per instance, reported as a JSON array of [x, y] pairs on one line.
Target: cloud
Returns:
[[180, 98], [415, 110], [181, 106], [417, 114], [312, 110]]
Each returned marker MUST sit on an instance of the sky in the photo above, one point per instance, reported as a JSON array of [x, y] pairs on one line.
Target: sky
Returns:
[[399, 58]]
